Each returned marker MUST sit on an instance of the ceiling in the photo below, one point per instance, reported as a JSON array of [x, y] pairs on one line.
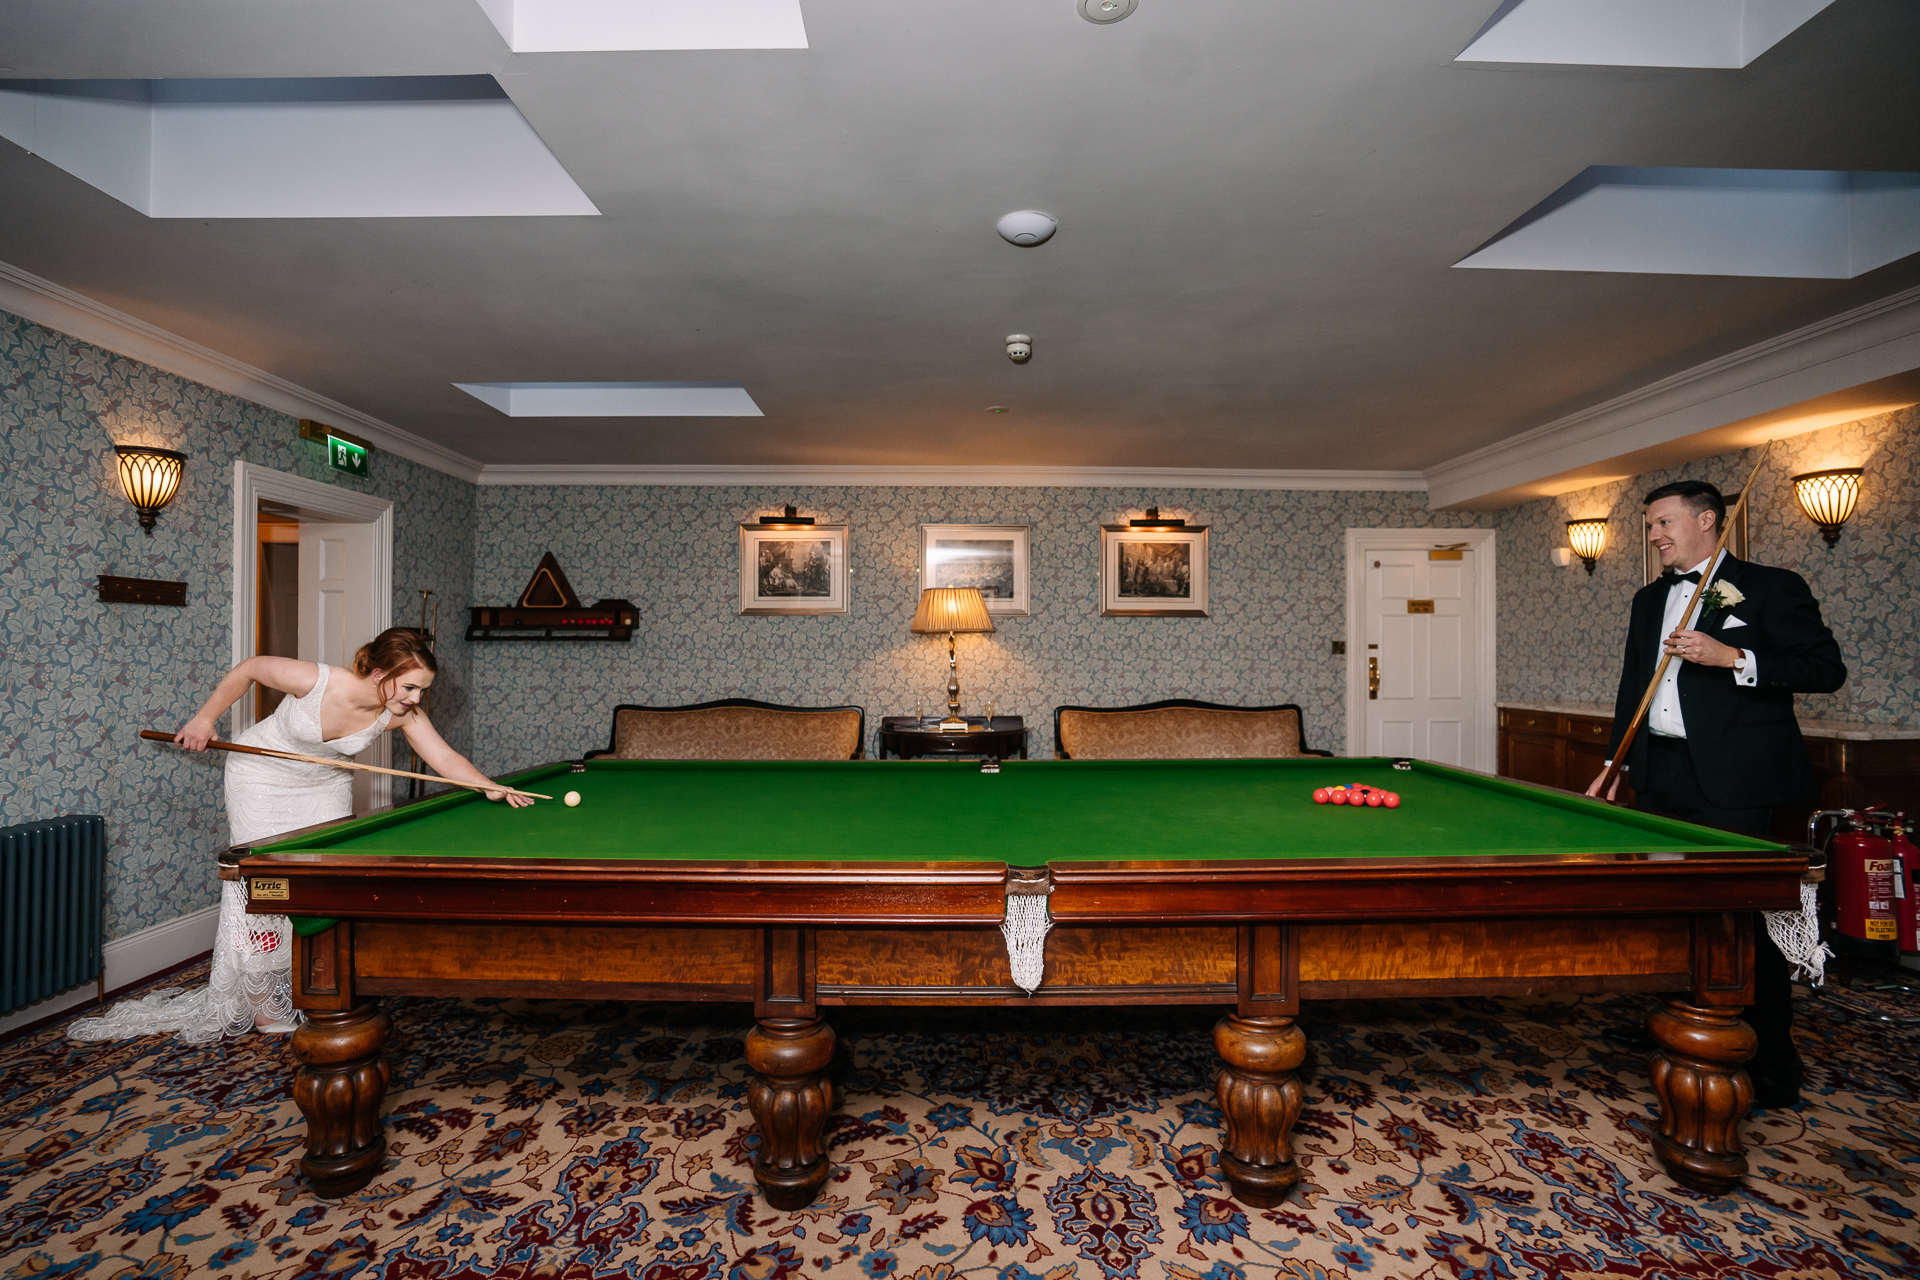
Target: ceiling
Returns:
[[1260, 203]]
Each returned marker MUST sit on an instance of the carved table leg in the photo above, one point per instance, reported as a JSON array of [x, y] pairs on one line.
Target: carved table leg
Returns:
[[1260, 1100], [1704, 1093], [342, 1078], [790, 1102]]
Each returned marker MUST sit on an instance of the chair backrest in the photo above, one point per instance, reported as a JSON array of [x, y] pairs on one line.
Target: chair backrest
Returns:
[[736, 729], [1179, 729]]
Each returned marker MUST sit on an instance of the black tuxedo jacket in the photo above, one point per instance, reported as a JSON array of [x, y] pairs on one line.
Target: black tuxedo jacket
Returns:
[[1745, 743]]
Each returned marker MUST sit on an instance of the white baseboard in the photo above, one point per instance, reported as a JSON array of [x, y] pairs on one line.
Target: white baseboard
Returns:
[[132, 959]]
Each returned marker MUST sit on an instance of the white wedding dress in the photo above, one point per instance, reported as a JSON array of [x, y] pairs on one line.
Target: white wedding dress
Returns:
[[252, 979]]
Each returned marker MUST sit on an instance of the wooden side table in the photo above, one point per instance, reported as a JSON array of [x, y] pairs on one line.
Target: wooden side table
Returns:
[[1002, 738]]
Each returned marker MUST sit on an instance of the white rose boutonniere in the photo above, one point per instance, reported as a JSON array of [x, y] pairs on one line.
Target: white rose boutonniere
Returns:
[[1722, 595]]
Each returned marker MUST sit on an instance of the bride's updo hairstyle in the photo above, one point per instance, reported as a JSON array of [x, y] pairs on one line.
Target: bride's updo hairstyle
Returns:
[[393, 653]]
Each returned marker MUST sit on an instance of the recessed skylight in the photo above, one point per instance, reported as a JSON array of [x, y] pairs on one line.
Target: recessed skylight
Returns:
[[367, 147], [581, 26], [1809, 223], [615, 399], [1638, 33]]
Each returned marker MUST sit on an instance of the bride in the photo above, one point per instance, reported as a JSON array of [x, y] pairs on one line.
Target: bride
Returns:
[[329, 712]]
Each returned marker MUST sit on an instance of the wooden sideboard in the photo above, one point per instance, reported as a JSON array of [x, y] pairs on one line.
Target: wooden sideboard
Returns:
[[1857, 764], [1855, 773], [1554, 748]]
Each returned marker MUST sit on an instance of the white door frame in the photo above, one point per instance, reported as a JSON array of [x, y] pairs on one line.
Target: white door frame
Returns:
[[251, 483], [1482, 726]]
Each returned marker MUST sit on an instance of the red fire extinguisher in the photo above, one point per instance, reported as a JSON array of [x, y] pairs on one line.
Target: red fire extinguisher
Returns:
[[1906, 903], [1860, 862]]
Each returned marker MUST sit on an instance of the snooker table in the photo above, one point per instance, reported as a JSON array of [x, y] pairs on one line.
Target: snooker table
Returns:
[[800, 886]]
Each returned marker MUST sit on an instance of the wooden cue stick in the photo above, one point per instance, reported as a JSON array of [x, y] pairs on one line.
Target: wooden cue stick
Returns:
[[1619, 761], [214, 744]]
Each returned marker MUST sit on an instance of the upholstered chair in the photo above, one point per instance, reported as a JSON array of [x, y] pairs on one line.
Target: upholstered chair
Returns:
[[736, 729], [1179, 729]]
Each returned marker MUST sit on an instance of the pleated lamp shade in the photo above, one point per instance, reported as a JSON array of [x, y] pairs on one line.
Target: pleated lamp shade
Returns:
[[944, 609]]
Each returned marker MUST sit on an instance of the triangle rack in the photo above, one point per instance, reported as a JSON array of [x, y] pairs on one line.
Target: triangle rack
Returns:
[[550, 610]]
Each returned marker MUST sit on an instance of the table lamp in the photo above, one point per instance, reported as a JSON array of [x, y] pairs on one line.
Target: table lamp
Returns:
[[951, 609]]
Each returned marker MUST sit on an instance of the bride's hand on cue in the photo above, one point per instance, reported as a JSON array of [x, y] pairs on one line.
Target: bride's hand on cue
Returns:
[[195, 734], [512, 798]]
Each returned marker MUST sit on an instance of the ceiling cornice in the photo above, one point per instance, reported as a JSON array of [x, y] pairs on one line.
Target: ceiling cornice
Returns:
[[60, 308], [46, 303], [960, 477], [1874, 341], [1870, 342]]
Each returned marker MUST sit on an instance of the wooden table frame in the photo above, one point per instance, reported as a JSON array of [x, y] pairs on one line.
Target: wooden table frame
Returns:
[[794, 938]]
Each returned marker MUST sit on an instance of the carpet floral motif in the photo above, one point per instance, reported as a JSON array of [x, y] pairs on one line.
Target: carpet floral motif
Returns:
[[1452, 1140]]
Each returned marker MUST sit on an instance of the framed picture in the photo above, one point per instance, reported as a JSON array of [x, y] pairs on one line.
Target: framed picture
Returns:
[[1736, 545], [1153, 573], [793, 570], [992, 557]]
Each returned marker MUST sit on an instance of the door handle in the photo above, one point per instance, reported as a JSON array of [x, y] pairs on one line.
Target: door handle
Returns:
[[1373, 677]]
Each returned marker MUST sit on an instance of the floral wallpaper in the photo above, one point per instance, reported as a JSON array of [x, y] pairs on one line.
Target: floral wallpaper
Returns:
[[1275, 581], [79, 678], [1561, 631]]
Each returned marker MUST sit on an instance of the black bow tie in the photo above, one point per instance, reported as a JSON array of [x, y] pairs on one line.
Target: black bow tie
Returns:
[[1670, 577]]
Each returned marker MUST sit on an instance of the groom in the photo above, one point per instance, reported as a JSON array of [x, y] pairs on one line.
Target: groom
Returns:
[[1720, 745]]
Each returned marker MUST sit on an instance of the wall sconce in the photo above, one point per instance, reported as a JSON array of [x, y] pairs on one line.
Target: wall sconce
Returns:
[[1828, 498], [1588, 538], [150, 478], [788, 519], [1154, 520]]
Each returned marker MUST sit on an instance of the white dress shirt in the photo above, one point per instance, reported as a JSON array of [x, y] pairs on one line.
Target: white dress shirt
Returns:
[[1663, 717]]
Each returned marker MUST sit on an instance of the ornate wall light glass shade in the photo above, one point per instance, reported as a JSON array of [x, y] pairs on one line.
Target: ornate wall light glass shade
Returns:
[[1588, 538], [951, 609], [150, 477], [1828, 498]]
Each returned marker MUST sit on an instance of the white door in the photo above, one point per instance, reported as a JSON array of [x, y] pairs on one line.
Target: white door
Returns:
[[337, 614], [1422, 649]]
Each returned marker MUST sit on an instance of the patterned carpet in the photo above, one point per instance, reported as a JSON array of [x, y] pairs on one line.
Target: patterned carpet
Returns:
[[1477, 1139]]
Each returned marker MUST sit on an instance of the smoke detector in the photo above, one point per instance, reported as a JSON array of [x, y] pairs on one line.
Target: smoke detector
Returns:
[[1019, 348], [1106, 11], [1027, 228]]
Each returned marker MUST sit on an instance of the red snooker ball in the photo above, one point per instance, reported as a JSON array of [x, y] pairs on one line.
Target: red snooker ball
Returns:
[[1320, 795], [1338, 796], [1392, 801], [1374, 800]]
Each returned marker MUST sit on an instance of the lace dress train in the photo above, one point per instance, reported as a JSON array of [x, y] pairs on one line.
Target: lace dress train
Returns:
[[251, 984]]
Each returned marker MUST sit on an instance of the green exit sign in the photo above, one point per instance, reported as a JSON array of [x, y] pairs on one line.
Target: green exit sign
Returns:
[[345, 455]]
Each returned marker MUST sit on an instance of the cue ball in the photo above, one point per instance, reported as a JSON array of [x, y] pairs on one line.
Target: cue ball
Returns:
[[573, 799]]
